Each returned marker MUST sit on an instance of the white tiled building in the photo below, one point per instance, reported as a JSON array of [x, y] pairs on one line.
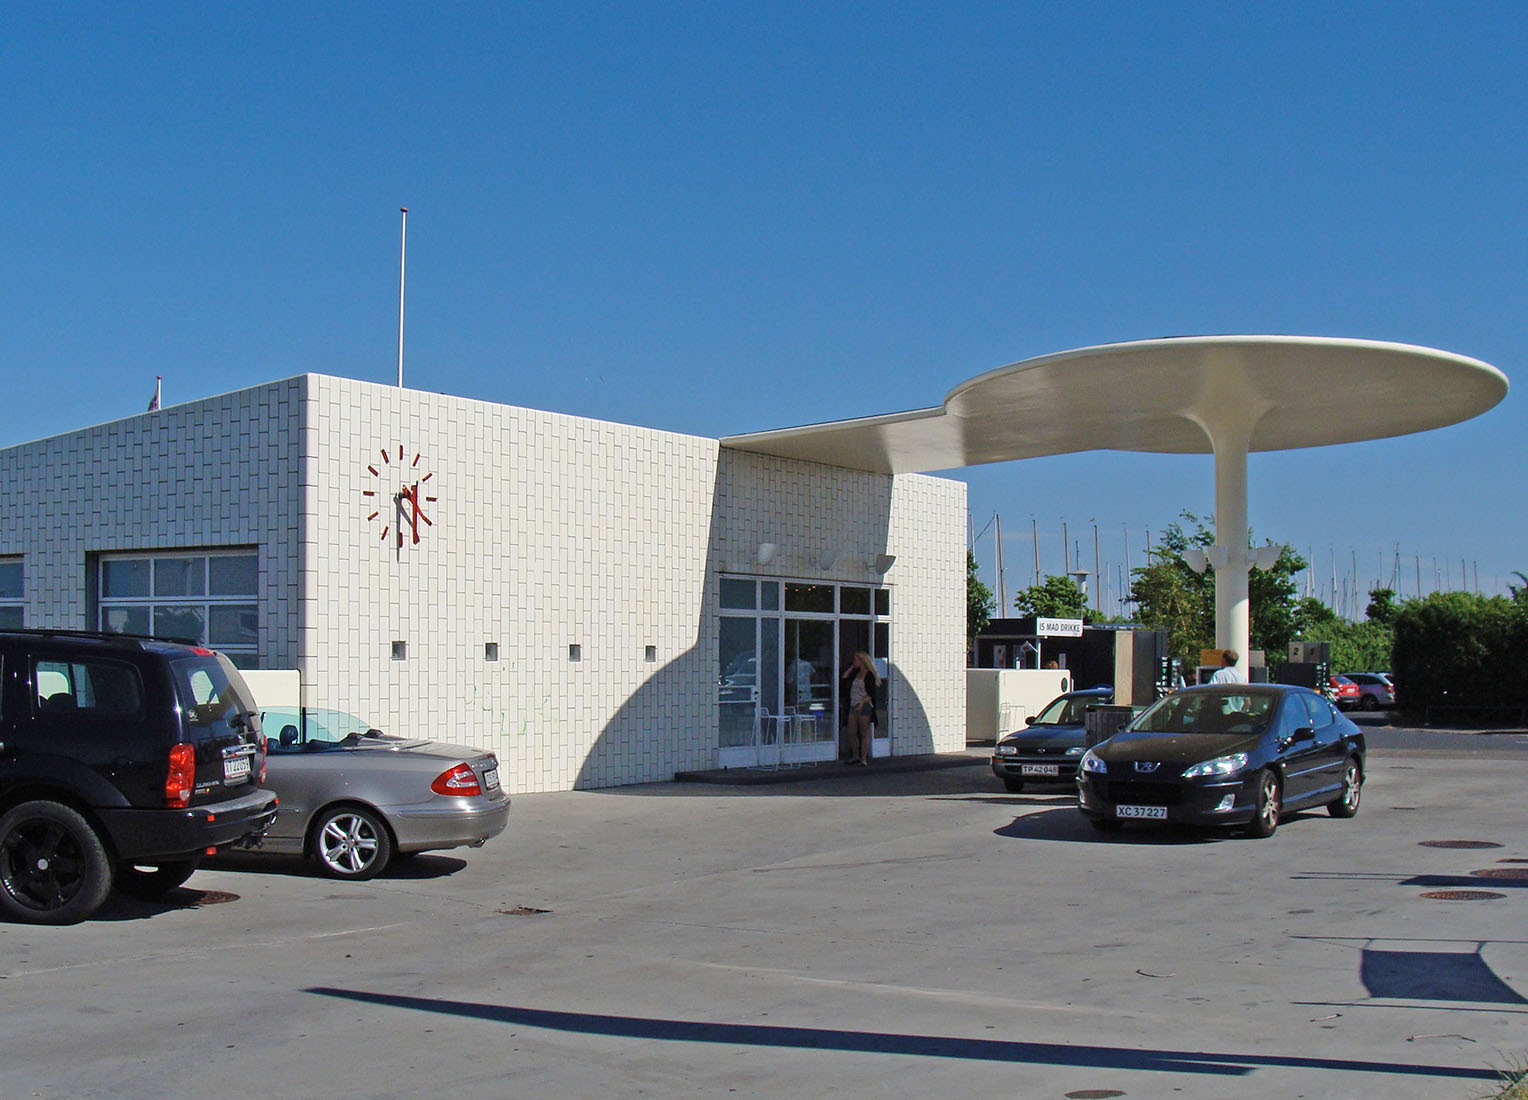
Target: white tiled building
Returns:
[[599, 604]]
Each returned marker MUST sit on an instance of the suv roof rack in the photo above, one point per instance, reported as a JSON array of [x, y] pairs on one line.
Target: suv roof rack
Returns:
[[100, 635]]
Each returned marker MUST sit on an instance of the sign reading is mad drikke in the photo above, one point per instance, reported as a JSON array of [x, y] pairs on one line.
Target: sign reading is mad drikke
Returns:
[[1058, 628]]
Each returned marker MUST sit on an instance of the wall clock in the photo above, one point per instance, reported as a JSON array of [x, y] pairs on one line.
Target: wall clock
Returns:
[[398, 494]]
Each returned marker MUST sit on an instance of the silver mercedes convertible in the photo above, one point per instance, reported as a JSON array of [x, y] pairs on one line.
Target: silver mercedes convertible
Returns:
[[353, 798]]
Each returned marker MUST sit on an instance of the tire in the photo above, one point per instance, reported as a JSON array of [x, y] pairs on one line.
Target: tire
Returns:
[[350, 842], [1369, 702], [1014, 785], [154, 880], [1352, 790], [1267, 819], [53, 866]]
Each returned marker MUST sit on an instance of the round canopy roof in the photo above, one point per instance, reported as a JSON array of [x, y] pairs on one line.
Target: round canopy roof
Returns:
[[1155, 395]]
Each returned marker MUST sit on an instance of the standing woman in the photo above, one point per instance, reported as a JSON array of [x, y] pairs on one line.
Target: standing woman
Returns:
[[862, 684]]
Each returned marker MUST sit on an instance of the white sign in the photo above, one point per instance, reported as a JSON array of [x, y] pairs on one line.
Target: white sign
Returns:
[[1058, 628]]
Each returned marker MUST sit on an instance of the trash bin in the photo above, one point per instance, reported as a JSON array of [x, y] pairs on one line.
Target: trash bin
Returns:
[[1102, 722]]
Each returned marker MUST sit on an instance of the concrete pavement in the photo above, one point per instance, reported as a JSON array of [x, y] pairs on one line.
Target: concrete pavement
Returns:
[[878, 932]]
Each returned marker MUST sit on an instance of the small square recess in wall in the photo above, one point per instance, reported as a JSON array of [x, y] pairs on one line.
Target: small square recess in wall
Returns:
[[400, 651], [490, 651], [652, 653], [575, 652]]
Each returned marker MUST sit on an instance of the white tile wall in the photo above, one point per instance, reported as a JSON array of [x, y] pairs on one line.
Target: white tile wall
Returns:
[[215, 473], [548, 530]]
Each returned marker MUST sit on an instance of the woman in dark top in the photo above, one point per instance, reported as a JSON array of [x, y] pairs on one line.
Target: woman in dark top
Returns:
[[860, 683]]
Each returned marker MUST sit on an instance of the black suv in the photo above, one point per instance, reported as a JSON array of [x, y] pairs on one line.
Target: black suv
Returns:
[[122, 760]]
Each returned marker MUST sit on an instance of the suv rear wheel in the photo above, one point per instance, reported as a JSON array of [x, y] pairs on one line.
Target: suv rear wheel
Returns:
[[53, 866]]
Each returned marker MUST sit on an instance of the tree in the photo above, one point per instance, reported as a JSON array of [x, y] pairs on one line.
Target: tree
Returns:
[[1172, 597], [1356, 647], [979, 602], [1057, 598], [1381, 607]]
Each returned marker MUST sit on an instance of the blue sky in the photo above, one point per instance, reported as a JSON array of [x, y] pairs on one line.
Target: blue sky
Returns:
[[719, 218]]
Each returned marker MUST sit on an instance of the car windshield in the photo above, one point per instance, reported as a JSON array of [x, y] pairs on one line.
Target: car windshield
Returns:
[[312, 729], [1207, 712], [1066, 711]]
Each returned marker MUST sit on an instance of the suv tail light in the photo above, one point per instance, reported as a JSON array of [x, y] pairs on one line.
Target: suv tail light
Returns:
[[181, 779], [460, 780]]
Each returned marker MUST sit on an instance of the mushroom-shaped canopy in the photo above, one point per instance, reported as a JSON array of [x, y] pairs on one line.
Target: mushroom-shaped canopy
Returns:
[[1284, 392]]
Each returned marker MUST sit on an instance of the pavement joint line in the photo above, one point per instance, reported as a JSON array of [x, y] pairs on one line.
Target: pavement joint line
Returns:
[[199, 953], [985, 1000]]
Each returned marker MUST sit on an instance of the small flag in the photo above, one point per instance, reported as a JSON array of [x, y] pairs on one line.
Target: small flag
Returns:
[[158, 381]]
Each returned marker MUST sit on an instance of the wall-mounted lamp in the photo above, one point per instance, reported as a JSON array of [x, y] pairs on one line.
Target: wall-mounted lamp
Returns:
[[882, 562], [828, 560], [768, 551]]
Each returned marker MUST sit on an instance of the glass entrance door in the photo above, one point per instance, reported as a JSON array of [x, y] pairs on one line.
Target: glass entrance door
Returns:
[[809, 682], [781, 647], [855, 635], [737, 683]]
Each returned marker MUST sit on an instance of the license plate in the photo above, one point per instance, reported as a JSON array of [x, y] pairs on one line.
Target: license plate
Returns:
[[1150, 813], [236, 769], [491, 778], [1040, 769]]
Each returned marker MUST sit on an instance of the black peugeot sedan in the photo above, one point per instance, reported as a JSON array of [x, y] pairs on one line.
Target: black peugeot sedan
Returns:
[[1239, 755], [1047, 749]]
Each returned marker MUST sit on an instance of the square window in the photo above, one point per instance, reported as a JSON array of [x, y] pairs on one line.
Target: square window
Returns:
[[854, 601], [121, 577], [739, 594], [233, 625], [809, 597], [183, 623], [125, 620], [11, 586], [12, 618], [180, 576], [233, 574]]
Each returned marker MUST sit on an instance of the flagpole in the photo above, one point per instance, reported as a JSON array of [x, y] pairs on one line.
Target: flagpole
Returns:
[[402, 255]]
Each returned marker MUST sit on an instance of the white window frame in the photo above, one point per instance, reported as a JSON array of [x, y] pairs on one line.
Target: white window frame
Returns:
[[243, 654], [18, 602]]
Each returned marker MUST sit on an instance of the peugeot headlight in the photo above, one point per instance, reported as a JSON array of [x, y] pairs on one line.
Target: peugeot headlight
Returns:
[[1092, 763], [1007, 750], [1221, 765]]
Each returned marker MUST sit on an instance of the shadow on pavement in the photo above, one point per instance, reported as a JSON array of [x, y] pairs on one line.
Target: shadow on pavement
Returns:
[[867, 1042]]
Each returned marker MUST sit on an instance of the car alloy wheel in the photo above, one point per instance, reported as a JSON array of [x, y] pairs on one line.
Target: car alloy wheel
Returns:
[[53, 866], [1267, 818], [351, 843], [1352, 790]]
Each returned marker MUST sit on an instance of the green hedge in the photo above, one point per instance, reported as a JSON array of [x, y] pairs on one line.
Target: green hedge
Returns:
[[1459, 650]]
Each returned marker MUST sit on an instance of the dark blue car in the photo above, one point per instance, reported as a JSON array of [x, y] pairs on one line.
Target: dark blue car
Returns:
[[1243, 755], [1048, 749]]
